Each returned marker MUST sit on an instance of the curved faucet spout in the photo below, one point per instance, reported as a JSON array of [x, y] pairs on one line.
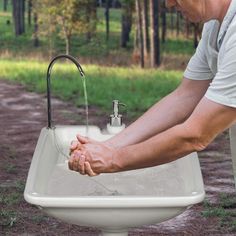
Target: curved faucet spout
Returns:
[[49, 81]]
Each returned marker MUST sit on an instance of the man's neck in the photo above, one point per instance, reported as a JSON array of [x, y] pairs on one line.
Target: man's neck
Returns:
[[219, 9]]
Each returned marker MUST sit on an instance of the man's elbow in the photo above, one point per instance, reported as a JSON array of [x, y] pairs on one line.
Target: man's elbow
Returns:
[[196, 138], [201, 143]]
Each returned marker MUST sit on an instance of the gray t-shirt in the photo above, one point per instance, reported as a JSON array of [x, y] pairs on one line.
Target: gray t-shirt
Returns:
[[215, 58]]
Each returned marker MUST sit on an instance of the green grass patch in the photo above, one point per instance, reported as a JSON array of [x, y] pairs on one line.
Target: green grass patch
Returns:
[[178, 47], [11, 168], [135, 87], [7, 217], [224, 210]]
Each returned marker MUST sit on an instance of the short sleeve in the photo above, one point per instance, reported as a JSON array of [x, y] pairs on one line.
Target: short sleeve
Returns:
[[223, 87], [198, 67]]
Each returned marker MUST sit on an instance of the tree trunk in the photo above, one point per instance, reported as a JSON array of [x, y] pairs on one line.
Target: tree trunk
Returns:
[[100, 3], [163, 17], [146, 40], [91, 16], [187, 28], [5, 3], [29, 11], [36, 39], [155, 40], [126, 24], [177, 23], [140, 30], [107, 18], [114, 3], [18, 16], [67, 45], [172, 20], [196, 33]]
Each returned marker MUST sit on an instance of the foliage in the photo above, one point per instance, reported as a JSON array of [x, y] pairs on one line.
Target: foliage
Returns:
[[97, 50], [65, 18], [138, 88]]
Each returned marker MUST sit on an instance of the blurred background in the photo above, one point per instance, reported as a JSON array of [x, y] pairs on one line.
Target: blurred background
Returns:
[[114, 41]]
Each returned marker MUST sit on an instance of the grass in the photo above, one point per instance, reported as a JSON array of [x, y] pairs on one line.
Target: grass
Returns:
[[135, 87], [10, 198], [11, 168], [224, 210]]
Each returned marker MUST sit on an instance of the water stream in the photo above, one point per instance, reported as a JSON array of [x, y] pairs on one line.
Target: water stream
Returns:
[[86, 104], [58, 144]]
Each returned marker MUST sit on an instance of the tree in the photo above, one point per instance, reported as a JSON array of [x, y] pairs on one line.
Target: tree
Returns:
[[154, 27], [18, 16], [172, 19], [126, 21], [140, 32], [107, 19], [145, 25], [91, 17], [29, 11], [34, 7], [5, 3], [177, 23], [36, 27], [197, 33], [67, 18], [163, 17]]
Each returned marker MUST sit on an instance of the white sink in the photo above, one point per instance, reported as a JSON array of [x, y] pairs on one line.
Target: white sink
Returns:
[[113, 203]]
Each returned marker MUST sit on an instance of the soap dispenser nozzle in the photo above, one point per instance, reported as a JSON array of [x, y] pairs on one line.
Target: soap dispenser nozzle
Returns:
[[116, 118]]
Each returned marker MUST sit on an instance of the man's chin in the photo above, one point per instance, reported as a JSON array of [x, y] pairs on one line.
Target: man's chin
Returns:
[[191, 19]]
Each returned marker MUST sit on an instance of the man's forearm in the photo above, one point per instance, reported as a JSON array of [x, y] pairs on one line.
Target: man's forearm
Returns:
[[170, 111], [162, 148], [207, 120]]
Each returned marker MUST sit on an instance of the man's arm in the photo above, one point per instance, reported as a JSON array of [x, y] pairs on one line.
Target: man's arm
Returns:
[[170, 111], [206, 122]]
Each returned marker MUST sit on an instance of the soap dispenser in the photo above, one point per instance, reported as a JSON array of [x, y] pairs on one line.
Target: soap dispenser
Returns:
[[116, 123]]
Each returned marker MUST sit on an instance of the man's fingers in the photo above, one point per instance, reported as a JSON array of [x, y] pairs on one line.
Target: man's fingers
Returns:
[[81, 164], [75, 165], [89, 170], [70, 162], [82, 139], [74, 144]]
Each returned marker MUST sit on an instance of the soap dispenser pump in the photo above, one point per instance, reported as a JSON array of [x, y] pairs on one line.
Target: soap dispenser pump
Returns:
[[116, 123]]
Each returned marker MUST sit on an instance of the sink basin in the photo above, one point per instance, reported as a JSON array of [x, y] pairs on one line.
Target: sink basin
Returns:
[[113, 203]]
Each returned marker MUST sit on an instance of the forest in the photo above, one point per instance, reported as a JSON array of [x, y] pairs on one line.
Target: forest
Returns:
[[145, 27]]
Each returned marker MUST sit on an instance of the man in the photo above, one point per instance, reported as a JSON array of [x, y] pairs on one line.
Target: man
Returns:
[[189, 118]]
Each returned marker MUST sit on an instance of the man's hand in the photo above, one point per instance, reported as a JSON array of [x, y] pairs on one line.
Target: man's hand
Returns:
[[92, 157]]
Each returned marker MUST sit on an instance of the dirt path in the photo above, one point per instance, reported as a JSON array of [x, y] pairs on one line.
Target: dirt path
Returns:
[[23, 114]]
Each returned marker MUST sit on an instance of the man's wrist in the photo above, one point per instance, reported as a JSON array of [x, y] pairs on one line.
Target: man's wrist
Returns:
[[117, 160]]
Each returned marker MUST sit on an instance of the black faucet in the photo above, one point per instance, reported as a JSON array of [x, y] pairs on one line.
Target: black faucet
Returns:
[[49, 81]]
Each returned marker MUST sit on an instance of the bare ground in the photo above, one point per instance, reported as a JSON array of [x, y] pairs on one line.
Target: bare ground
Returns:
[[23, 114]]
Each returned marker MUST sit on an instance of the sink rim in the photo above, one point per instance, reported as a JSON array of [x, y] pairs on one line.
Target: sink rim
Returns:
[[112, 201]]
